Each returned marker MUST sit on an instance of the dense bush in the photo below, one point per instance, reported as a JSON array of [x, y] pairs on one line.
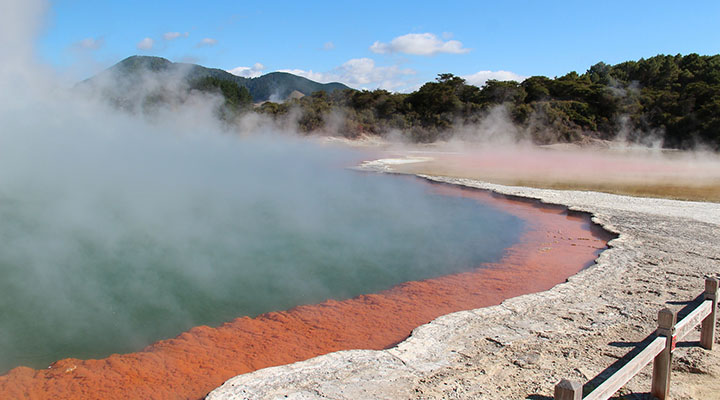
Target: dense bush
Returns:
[[237, 98], [675, 97]]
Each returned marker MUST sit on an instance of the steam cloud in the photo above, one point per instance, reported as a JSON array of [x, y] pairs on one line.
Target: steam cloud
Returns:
[[176, 199], [107, 217]]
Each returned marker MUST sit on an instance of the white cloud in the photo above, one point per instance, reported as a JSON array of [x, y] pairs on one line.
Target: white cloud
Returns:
[[90, 43], [328, 46], [314, 76], [421, 44], [174, 35], [479, 78], [248, 72], [145, 44], [207, 42], [361, 73]]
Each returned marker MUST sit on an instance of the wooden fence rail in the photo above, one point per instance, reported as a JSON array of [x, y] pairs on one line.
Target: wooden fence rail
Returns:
[[659, 351]]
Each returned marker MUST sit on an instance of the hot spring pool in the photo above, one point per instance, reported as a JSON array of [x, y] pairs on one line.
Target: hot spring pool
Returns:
[[100, 260]]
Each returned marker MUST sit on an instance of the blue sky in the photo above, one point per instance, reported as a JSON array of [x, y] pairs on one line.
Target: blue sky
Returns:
[[396, 45]]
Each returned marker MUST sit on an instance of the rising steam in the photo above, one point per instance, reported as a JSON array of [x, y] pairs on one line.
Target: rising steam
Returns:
[[120, 228]]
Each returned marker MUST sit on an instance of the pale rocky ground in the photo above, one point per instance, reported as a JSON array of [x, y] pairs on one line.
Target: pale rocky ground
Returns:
[[521, 348]]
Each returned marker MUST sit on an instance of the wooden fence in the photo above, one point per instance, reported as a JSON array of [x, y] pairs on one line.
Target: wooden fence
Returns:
[[659, 351]]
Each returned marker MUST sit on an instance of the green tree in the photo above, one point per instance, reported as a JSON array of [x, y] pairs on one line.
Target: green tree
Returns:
[[236, 98]]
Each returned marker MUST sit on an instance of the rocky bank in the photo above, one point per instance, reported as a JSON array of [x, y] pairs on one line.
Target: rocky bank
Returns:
[[521, 348]]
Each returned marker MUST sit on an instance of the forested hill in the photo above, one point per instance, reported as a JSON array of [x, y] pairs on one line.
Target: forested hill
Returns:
[[668, 100], [673, 100], [275, 85]]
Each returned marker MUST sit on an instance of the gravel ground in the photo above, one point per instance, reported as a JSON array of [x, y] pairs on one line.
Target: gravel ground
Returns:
[[521, 348]]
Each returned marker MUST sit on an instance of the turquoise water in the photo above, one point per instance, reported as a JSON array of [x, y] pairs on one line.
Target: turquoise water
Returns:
[[92, 266]]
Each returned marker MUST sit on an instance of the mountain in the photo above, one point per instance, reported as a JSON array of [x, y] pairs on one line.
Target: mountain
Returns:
[[277, 86], [668, 100]]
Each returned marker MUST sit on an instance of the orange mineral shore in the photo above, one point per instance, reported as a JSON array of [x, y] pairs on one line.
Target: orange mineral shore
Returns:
[[554, 246]]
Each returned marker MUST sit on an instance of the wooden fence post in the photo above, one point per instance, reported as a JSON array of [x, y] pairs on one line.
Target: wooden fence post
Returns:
[[568, 390], [661, 363], [707, 334]]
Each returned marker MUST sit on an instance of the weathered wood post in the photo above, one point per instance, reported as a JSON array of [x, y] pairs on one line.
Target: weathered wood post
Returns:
[[707, 334], [661, 363], [568, 390]]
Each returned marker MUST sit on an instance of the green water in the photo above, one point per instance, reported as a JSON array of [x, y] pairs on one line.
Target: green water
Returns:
[[92, 270]]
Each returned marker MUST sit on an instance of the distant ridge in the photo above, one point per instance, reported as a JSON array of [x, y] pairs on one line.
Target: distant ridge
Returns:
[[671, 101], [274, 86]]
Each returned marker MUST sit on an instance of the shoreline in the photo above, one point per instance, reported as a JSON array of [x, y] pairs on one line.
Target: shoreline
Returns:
[[197, 361], [522, 347]]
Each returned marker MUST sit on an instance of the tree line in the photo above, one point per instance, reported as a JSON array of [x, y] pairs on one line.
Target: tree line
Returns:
[[675, 99]]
